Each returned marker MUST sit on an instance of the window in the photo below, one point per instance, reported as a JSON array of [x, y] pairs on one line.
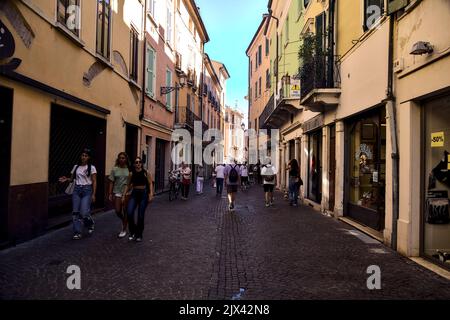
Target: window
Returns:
[[259, 55], [306, 2], [151, 10], [256, 61], [169, 28], [267, 47], [373, 11], [256, 90], [134, 54], [267, 78], [104, 27], [151, 76], [169, 84], [250, 96], [321, 31], [69, 15], [260, 86]]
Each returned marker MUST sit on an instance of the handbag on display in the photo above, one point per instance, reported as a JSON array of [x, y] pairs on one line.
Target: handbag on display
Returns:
[[437, 208]]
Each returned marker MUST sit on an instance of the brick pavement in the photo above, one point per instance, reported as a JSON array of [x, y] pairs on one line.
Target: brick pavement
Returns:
[[197, 250]]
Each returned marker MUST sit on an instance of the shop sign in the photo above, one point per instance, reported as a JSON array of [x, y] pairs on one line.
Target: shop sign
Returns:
[[7, 48], [314, 123], [295, 89], [437, 139]]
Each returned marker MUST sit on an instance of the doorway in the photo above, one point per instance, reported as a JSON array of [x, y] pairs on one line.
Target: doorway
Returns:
[[315, 167], [6, 96], [70, 132], [332, 172], [131, 141], [160, 165]]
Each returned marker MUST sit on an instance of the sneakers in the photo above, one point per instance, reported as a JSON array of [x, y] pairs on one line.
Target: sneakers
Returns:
[[122, 235], [267, 204], [131, 238], [77, 237], [139, 239]]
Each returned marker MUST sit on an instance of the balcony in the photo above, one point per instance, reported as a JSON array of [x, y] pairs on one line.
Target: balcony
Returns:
[[185, 119], [321, 84]]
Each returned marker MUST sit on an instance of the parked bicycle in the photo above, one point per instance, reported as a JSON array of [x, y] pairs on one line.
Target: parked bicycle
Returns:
[[175, 184]]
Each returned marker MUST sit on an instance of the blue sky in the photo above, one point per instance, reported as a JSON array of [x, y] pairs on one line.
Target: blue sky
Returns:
[[231, 25]]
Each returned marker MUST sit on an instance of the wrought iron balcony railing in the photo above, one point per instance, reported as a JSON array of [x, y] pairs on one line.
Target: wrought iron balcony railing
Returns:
[[268, 109], [322, 72]]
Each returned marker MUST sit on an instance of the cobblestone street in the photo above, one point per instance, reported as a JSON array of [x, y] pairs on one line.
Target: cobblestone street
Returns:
[[197, 250]]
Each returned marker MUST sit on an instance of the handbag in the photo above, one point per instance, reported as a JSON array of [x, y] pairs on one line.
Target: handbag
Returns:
[[70, 188]]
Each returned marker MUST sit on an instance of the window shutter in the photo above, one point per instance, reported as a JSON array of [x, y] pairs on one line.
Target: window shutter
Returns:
[[150, 72]]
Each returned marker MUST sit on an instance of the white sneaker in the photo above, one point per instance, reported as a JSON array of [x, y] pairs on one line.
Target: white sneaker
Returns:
[[122, 235]]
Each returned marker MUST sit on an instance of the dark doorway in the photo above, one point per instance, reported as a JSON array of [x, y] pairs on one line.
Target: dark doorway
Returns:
[[6, 107], [70, 132], [291, 150], [160, 164], [315, 167], [131, 142], [332, 172]]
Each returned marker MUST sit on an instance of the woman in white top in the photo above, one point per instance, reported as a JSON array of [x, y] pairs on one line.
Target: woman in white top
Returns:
[[84, 175]]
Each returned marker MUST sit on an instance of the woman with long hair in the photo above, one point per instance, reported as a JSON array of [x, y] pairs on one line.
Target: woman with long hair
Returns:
[[295, 182], [118, 183], [140, 183], [84, 175]]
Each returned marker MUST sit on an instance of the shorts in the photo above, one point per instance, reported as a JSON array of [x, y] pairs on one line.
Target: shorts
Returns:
[[269, 187], [232, 188], [244, 179]]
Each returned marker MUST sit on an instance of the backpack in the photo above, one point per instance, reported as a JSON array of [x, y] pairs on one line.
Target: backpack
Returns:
[[234, 177], [269, 174]]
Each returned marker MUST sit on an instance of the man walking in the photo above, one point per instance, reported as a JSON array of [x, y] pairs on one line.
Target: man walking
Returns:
[[220, 176], [269, 177], [232, 180]]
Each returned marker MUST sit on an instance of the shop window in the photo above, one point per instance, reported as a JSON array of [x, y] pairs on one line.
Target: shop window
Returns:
[[437, 180], [368, 169]]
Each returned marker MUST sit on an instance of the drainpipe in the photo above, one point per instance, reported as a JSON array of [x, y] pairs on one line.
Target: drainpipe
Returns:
[[144, 64], [391, 115], [331, 44]]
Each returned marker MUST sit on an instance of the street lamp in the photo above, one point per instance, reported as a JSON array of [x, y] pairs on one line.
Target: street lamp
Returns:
[[176, 88]]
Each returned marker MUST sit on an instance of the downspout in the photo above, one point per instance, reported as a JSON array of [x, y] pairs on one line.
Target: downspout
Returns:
[[331, 44], [144, 63], [391, 115]]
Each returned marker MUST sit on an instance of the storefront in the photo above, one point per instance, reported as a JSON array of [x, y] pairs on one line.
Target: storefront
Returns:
[[366, 161], [313, 128], [436, 180]]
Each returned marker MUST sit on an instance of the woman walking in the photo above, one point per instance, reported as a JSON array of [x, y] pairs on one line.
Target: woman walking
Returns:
[[294, 182], [185, 181], [140, 184], [118, 183], [84, 176], [200, 179]]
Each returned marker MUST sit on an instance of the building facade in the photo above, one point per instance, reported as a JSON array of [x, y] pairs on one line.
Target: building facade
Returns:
[[373, 94], [69, 81], [234, 136]]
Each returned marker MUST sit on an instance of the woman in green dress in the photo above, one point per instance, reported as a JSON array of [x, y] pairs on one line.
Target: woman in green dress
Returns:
[[118, 182]]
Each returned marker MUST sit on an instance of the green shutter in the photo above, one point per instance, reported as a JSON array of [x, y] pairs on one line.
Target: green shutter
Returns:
[[150, 72]]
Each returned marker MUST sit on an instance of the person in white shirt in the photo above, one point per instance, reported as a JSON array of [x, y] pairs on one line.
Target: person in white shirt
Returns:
[[84, 176], [185, 181], [244, 176], [220, 176], [269, 176], [232, 182]]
